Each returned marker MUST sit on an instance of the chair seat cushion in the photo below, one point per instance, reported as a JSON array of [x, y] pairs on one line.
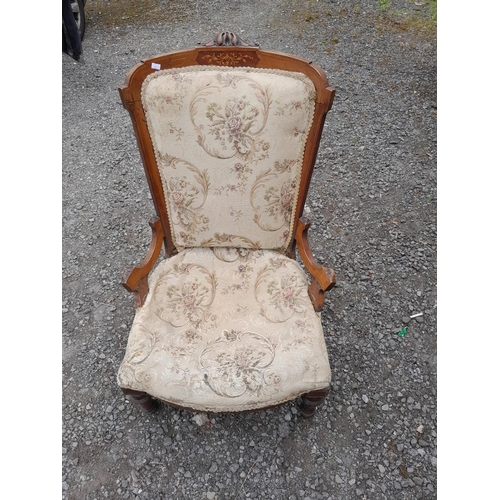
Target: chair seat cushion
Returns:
[[226, 329]]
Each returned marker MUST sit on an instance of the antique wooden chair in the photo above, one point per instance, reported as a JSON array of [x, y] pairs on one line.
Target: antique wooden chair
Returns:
[[228, 321]]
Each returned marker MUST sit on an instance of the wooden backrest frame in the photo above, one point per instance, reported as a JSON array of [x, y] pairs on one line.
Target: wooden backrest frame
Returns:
[[234, 56]]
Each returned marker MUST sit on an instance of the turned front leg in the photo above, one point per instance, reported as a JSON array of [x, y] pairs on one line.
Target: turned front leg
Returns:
[[311, 401], [141, 400]]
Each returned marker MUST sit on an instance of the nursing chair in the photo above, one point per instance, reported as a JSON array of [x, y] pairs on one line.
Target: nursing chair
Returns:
[[228, 321]]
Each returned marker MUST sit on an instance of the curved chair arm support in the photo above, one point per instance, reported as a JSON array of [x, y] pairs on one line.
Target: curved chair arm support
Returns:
[[322, 278], [136, 279]]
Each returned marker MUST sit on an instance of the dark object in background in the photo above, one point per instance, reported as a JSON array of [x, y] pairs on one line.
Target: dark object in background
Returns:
[[73, 27]]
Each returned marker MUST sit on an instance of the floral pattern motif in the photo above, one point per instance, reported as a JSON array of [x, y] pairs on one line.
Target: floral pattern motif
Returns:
[[229, 152], [280, 201], [202, 342], [190, 290], [236, 123], [280, 294], [236, 363], [232, 126], [243, 275], [240, 172], [274, 203], [186, 200]]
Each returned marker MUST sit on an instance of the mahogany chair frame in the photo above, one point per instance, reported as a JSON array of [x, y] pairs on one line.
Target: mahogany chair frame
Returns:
[[226, 49]]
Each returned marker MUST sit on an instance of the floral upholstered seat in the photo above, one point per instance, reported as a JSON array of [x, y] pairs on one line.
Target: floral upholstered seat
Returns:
[[226, 329], [229, 321]]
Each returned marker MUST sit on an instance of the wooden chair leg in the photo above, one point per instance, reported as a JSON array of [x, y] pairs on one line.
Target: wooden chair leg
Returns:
[[311, 401], [141, 400]]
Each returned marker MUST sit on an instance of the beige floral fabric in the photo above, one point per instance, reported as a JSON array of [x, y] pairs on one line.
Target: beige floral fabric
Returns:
[[229, 145], [226, 329]]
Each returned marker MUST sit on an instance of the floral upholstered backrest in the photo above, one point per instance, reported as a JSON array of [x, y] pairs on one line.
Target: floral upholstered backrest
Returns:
[[229, 145]]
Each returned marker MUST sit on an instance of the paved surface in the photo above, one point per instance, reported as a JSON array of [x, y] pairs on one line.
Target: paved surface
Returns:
[[373, 202]]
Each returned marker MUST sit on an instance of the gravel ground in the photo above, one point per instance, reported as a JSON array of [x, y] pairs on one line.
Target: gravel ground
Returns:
[[373, 205]]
